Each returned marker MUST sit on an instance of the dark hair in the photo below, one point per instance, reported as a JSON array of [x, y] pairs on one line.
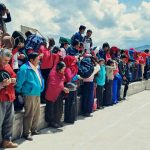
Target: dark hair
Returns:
[[62, 45], [82, 27], [2, 7], [89, 31], [106, 45], [28, 33], [33, 56], [51, 42], [123, 56], [55, 50], [75, 42], [109, 62], [146, 51], [60, 65]]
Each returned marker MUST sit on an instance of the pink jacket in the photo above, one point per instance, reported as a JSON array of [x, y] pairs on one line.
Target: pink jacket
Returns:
[[55, 85]]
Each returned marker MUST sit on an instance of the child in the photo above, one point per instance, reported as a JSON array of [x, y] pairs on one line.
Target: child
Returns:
[[110, 67], [100, 80]]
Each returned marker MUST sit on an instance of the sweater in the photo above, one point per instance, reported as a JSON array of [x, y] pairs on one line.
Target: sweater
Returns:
[[100, 79]]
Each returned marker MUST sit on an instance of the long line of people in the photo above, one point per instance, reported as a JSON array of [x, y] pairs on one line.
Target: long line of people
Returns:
[[33, 71]]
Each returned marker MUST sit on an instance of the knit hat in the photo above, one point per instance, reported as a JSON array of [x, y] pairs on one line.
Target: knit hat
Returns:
[[86, 67], [64, 40]]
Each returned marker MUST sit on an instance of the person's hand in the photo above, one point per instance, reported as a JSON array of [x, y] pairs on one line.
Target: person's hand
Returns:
[[21, 56], [6, 82], [41, 55], [66, 90], [7, 11], [13, 80]]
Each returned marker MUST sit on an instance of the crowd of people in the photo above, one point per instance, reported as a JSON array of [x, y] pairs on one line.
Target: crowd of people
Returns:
[[35, 71]]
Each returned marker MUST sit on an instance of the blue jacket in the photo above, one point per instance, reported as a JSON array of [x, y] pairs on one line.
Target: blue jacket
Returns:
[[77, 36], [100, 79], [27, 81]]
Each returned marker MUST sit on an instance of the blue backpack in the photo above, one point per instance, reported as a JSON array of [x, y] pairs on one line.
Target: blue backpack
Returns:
[[34, 42]]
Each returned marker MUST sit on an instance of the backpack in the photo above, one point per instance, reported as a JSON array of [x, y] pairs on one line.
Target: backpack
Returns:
[[86, 67], [34, 42]]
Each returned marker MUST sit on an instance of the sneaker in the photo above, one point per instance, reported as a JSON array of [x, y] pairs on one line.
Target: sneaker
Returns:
[[36, 132], [28, 137], [9, 144], [124, 98]]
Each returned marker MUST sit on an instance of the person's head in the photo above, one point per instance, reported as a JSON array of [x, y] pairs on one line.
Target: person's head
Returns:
[[76, 44], [106, 47], [60, 68], [146, 51], [56, 49], [2, 9], [101, 61], [51, 42], [82, 29], [123, 58], [19, 43], [64, 45], [34, 58], [110, 62], [89, 33], [5, 56], [28, 33]]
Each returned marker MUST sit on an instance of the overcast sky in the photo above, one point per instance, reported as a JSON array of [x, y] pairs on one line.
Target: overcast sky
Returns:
[[124, 23]]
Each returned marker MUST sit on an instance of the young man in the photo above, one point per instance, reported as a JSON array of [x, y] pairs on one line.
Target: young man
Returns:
[[30, 83], [87, 41], [7, 96], [3, 11], [74, 49], [78, 35]]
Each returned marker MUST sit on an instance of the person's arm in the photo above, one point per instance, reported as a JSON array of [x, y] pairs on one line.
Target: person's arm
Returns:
[[8, 19], [96, 69], [112, 67], [21, 76]]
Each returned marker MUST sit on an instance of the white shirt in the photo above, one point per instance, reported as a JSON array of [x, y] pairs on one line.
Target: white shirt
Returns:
[[36, 71]]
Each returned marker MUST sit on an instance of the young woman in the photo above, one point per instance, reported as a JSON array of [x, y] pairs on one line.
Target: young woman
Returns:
[[71, 99], [88, 85]]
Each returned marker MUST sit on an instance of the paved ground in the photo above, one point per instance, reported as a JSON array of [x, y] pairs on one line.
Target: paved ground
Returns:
[[125, 126]]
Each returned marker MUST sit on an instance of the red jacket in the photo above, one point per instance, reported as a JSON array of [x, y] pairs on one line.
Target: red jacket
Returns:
[[47, 59], [71, 67], [55, 85], [8, 93]]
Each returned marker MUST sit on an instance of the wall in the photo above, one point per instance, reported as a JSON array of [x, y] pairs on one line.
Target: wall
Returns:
[[18, 121]]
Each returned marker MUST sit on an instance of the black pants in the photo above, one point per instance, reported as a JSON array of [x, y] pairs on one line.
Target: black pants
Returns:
[[71, 107], [99, 95], [54, 110], [108, 93], [45, 74], [126, 87]]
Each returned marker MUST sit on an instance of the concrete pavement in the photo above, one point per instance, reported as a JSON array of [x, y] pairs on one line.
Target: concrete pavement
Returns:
[[125, 126]]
